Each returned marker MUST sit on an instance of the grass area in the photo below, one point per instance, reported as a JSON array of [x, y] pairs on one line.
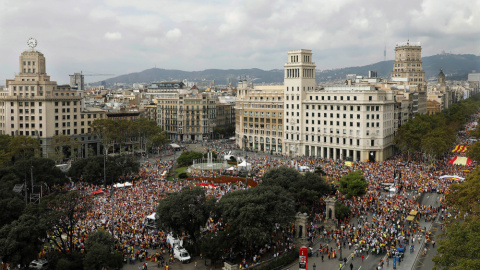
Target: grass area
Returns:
[[180, 170]]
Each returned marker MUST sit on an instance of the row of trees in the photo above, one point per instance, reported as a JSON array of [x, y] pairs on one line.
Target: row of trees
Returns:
[[16, 148], [458, 245], [142, 134], [53, 223], [434, 134]]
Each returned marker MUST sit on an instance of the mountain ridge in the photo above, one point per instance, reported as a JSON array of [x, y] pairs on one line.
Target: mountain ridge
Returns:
[[455, 67]]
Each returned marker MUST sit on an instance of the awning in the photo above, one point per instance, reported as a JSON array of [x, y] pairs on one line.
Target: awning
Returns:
[[174, 145]]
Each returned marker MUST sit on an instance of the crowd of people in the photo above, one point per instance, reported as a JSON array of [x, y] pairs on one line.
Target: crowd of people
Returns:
[[377, 223]]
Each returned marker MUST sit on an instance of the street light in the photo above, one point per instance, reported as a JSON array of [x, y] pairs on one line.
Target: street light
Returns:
[[314, 266], [340, 259]]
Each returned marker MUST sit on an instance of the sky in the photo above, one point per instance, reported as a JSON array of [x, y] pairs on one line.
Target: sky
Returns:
[[123, 36]]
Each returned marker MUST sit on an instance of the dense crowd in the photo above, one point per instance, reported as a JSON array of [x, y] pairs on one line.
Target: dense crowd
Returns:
[[376, 225]]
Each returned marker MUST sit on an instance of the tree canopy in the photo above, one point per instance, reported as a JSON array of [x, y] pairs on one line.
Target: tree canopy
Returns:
[[250, 215], [458, 245], [100, 252], [91, 169], [474, 152], [140, 133], [305, 188], [353, 184], [184, 211], [187, 157], [60, 213], [433, 134], [19, 240]]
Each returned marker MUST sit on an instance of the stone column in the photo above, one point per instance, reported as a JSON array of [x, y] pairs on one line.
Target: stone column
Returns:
[[301, 228], [330, 213]]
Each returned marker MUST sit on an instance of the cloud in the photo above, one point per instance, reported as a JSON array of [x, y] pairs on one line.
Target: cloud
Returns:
[[228, 33], [113, 35], [174, 34]]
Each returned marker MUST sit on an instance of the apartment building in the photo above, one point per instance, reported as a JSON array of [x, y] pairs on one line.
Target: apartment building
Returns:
[[259, 117], [33, 105], [188, 115]]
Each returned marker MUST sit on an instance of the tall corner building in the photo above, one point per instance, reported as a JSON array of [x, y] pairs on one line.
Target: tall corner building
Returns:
[[342, 122], [33, 105], [407, 66], [299, 79]]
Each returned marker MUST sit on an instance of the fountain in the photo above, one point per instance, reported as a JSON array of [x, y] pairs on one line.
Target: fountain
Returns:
[[209, 164]]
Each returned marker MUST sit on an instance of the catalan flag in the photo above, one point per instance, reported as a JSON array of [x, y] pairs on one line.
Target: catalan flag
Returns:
[[459, 149]]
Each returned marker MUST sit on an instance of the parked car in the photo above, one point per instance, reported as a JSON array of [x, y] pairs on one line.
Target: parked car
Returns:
[[38, 264]]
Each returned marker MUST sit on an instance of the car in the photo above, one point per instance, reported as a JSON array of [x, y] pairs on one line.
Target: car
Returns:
[[38, 264]]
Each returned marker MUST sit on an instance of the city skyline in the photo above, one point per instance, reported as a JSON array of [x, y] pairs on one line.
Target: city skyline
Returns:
[[120, 37]]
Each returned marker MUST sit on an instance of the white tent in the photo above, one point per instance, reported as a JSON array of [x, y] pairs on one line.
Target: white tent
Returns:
[[126, 184], [231, 169], [245, 164], [152, 216], [174, 145]]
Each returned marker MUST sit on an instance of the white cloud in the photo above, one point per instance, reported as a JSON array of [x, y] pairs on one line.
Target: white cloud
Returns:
[[174, 34], [113, 35], [228, 33]]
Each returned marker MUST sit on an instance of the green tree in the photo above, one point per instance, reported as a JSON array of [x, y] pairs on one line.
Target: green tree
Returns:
[[187, 157], [100, 252], [353, 184], [5, 155], [107, 132], [91, 169], [60, 213], [19, 241], [184, 211], [214, 245], [22, 147], [251, 214], [158, 140], [474, 152], [437, 142], [146, 129], [305, 188], [62, 145], [11, 203], [42, 169], [458, 245], [341, 211]]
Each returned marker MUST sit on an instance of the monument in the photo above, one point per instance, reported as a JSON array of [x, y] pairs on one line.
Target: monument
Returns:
[[330, 213], [301, 229]]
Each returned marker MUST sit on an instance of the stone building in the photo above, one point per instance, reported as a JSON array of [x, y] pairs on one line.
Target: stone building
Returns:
[[33, 105]]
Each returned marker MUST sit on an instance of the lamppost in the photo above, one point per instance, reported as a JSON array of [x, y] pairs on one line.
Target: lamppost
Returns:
[[314, 266], [341, 258]]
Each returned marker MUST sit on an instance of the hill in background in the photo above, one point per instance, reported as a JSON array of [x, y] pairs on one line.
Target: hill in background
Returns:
[[455, 67]]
